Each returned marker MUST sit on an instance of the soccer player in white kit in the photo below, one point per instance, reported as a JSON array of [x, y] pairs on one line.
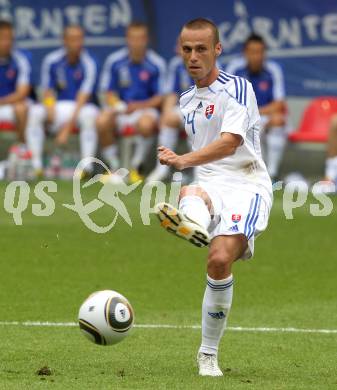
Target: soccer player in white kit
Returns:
[[229, 204]]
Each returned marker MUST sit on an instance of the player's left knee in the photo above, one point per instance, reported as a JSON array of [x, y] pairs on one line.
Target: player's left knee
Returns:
[[219, 260]]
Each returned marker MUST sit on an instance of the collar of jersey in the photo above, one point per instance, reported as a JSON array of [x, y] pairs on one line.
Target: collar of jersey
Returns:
[[212, 88]]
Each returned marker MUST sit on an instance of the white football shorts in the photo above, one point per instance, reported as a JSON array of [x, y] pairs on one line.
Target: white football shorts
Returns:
[[236, 211], [124, 120]]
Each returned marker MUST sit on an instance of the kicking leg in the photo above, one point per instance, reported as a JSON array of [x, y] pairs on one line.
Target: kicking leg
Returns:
[[193, 217]]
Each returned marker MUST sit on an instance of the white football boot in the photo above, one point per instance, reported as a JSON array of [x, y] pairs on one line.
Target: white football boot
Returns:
[[174, 221], [208, 365]]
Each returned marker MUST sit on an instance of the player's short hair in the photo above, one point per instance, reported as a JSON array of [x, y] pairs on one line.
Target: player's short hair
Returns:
[[73, 25], [137, 24], [5, 24], [201, 23], [253, 37]]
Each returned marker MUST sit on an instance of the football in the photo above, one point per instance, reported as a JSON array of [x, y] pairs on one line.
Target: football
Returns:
[[106, 317]]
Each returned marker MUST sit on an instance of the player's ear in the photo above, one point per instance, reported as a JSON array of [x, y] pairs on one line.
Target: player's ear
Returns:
[[218, 49]]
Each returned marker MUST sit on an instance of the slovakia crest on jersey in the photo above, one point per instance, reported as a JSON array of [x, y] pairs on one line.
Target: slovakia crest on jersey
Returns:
[[10, 74], [209, 111], [264, 85], [144, 75], [236, 218]]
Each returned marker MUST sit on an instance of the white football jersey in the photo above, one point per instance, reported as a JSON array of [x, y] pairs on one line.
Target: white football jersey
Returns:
[[228, 105]]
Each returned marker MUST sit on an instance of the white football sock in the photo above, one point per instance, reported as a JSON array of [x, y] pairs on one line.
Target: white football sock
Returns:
[[109, 154], [142, 149], [275, 142], [168, 137], [331, 168], [215, 310], [88, 144], [35, 135], [195, 209]]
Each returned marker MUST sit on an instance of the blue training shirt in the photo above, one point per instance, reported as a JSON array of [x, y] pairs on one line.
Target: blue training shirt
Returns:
[[268, 84], [133, 81], [14, 71], [68, 79]]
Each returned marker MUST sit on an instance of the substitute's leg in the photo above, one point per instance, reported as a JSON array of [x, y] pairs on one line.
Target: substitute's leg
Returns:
[[224, 250], [88, 133], [35, 135], [145, 126], [106, 127], [168, 136], [21, 113]]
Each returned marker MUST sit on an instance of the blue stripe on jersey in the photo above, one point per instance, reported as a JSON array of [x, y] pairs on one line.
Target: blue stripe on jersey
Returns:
[[189, 100], [222, 79], [184, 93], [245, 92], [240, 91], [223, 76], [236, 89]]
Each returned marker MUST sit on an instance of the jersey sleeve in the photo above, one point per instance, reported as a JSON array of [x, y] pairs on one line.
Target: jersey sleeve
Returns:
[[278, 81], [109, 77], [238, 111], [90, 75], [173, 78], [24, 70], [234, 65], [158, 81], [48, 79]]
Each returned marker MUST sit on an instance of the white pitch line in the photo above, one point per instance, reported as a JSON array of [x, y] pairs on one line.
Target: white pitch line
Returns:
[[167, 326]]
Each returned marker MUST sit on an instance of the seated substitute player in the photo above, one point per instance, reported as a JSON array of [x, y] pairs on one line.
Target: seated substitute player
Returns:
[[15, 81], [229, 204], [132, 84], [267, 80], [172, 120], [68, 81]]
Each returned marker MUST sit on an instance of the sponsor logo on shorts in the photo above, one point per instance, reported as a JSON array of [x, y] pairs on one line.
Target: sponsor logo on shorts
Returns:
[[234, 228]]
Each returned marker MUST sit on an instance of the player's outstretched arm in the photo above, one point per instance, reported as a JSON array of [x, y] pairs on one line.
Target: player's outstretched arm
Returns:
[[225, 146]]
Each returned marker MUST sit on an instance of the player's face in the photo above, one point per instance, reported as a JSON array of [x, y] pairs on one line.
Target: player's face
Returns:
[[74, 40], [137, 41], [199, 52], [255, 55], [6, 42]]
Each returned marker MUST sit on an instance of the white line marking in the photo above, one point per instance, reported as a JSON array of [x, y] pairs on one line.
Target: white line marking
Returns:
[[167, 326]]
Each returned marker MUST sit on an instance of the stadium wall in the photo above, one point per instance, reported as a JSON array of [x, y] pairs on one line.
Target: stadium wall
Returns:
[[301, 35]]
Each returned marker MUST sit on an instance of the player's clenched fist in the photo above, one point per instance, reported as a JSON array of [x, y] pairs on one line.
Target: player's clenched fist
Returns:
[[167, 157]]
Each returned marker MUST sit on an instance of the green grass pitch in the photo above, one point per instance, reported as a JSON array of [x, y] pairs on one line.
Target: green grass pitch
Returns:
[[51, 264]]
